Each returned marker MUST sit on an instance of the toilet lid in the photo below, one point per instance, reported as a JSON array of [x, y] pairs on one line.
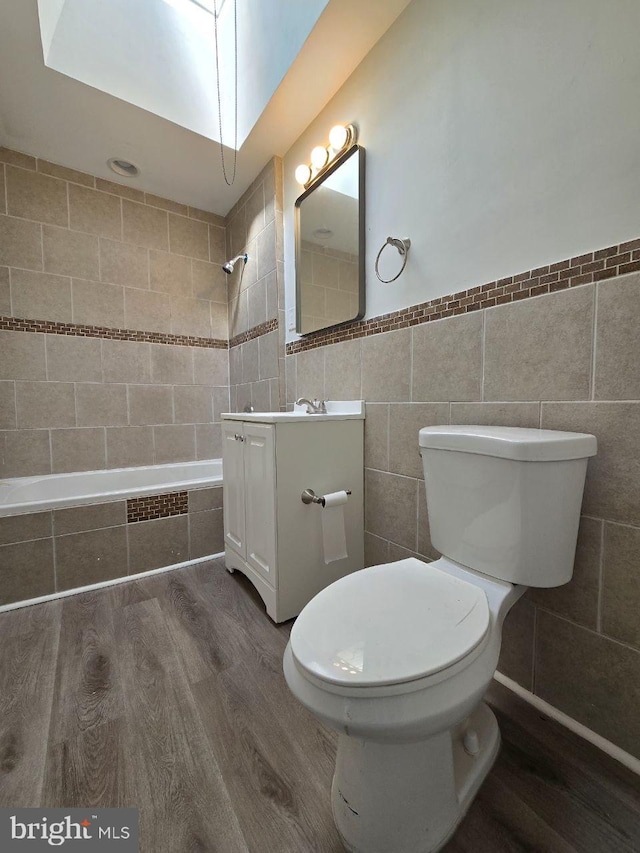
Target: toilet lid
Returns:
[[389, 624]]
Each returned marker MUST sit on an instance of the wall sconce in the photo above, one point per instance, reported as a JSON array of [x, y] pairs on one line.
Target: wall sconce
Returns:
[[341, 137]]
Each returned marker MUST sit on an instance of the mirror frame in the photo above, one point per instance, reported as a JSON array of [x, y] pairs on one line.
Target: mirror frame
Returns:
[[354, 150]]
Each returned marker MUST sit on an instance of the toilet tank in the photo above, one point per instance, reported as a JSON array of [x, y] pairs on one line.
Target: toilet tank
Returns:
[[506, 501]]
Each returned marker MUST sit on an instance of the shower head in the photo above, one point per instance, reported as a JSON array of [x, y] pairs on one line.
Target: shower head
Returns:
[[228, 267]]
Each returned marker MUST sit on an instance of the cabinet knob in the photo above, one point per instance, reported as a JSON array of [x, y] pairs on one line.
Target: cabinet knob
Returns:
[[238, 437]]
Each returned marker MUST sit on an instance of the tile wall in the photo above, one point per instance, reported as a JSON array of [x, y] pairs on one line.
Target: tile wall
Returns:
[[568, 360], [131, 301]]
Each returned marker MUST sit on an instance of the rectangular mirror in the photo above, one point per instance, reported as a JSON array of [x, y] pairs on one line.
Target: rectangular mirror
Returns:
[[329, 218]]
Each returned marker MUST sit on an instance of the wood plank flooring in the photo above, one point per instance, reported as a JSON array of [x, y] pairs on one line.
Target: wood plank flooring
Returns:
[[167, 694]]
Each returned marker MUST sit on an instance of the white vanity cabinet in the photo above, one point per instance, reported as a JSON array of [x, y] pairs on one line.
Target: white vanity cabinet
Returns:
[[270, 535]]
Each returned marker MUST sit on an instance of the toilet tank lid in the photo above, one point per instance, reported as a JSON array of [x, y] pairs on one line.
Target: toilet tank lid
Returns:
[[523, 445]]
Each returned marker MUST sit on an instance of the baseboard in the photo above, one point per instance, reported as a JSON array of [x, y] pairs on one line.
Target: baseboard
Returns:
[[15, 605], [568, 722]]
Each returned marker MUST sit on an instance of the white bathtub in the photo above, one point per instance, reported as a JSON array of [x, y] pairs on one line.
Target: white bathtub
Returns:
[[58, 491]]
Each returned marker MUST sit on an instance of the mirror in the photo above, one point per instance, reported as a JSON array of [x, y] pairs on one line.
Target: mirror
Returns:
[[329, 219]]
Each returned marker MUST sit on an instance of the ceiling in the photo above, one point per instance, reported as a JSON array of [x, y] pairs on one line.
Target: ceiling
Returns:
[[51, 115]]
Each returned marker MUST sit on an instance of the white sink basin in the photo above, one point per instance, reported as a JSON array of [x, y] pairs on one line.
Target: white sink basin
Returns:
[[337, 410]]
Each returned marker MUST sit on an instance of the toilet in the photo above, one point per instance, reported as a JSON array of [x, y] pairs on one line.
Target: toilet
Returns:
[[396, 658]]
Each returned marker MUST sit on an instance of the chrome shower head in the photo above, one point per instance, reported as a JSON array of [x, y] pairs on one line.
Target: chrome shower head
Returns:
[[228, 267]]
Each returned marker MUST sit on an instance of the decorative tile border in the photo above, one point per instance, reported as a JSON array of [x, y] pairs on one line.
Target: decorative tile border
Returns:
[[16, 324], [157, 506], [256, 332], [582, 269]]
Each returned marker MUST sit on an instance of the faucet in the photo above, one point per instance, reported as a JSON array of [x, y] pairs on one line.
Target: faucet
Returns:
[[314, 407]]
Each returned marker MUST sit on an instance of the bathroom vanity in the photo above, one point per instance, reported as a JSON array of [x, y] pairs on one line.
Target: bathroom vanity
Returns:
[[271, 535]]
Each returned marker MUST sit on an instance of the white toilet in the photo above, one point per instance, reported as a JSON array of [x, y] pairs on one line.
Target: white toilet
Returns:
[[396, 658]]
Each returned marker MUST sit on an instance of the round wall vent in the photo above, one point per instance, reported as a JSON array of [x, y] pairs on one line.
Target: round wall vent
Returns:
[[123, 167]]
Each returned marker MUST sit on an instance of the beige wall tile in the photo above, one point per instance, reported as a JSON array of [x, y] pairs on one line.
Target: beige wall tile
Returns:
[[122, 263], [310, 374], [119, 189], [23, 355], [405, 421], [219, 322], [77, 450], [209, 281], [211, 366], [193, 404], [217, 244], [38, 296], [612, 489], [621, 584], [129, 446], [66, 174], [376, 550], [250, 360], [578, 599], [238, 315], [425, 546], [257, 303], [397, 552], [188, 237], [376, 436], [617, 370], [516, 653], [447, 359], [206, 216], [38, 197], [145, 226], [190, 317], [237, 232], [386, 365], [101, 404], [254, 212], [95, 212], [26, 570], [266, 245], [91, 557], [150, 404], [540, 349], [175, 443], [5, 292], [17, 158], [595, 680], [291, 378], [45, 404], [21, 528], [70, 253], [170, 273], [166, 204], [3, 203], [202, 499], [208, 441], [71, 359], [24, 453], [98, 304], [206, 533], [497, 414], [162, 542], [268, 355], [271, 286], [235, 365], [7, 405], [343, 371], [171, 365], [126, 361], [247, 271], [391, 507], [146, 310], [261, 396], [94, 517], [20, 243]]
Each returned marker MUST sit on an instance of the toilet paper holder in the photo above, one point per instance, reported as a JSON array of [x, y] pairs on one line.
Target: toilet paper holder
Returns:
[[310, 497]]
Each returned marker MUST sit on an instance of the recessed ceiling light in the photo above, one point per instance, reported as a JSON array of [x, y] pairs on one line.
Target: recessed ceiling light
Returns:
[[123, 167]]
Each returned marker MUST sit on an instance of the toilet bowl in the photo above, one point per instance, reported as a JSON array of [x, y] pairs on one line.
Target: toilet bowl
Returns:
[[396, 658]]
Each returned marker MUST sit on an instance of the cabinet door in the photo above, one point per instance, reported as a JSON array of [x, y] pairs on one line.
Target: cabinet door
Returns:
[[260, 499], [233, 473]]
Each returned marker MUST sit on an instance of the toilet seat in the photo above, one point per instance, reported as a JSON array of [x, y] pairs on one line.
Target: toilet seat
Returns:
[[389, 624]]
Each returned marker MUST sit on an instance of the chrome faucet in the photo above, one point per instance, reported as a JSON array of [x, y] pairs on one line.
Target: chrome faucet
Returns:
[[314, 407]]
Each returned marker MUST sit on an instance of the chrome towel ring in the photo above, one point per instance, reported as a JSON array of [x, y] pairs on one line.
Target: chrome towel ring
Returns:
[[402, 245]]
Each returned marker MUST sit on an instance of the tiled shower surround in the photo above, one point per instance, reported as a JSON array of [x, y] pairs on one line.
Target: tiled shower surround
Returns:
[[567, 360]]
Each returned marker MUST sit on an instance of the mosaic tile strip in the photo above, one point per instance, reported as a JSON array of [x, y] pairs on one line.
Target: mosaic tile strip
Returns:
[[16, 324], [256, 332], [157, 506], [582, 269]]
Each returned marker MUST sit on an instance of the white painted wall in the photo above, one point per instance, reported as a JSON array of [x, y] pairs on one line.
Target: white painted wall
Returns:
[[500, 135]]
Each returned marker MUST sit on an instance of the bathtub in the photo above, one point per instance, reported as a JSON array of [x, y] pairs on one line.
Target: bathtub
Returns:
[[65, 533]]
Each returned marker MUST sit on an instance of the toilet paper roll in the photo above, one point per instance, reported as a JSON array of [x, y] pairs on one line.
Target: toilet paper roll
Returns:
[[334, 538]]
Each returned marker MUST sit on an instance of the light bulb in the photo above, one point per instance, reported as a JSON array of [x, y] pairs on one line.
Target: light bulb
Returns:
[[303, 173], [338, 137], [319, 156]]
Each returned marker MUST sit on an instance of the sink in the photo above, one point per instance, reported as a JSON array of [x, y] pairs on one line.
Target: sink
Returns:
[[337, 410]]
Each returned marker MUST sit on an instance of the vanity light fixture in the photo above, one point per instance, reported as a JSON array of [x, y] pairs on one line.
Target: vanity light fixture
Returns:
[[341, 137]]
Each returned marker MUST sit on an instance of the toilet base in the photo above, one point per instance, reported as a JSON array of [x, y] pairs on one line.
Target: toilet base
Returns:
[[410, 797]]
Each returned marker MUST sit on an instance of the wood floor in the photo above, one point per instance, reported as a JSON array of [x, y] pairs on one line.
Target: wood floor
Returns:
[[167, 694]]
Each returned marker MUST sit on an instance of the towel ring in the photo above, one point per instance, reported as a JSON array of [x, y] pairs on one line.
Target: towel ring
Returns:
[[403, 248]]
